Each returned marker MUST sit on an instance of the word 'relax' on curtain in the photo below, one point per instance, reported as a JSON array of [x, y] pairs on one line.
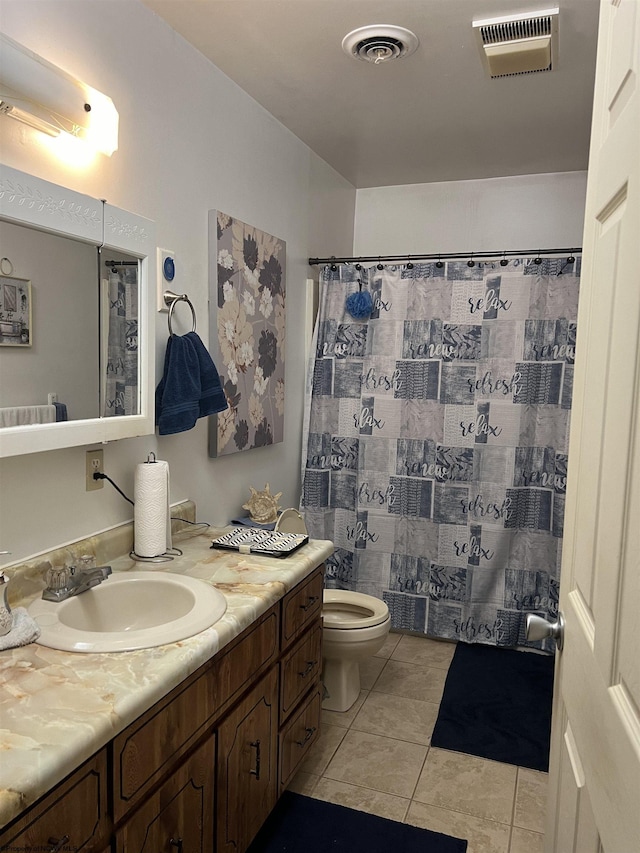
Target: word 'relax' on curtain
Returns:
[[436, 441]]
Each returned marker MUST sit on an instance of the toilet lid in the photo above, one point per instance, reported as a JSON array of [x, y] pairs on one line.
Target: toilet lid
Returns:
[[343, 609]]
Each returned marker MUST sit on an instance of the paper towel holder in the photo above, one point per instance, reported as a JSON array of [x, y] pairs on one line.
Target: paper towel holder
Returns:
[[170, 553]]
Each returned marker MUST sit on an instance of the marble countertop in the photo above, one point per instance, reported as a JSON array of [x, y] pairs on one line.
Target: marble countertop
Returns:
[[58, 708]]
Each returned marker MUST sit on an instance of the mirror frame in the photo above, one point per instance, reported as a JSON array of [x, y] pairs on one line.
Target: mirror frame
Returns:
[[31, 201]]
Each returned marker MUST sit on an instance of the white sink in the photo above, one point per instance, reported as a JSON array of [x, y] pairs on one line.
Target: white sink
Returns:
[[129, 610]]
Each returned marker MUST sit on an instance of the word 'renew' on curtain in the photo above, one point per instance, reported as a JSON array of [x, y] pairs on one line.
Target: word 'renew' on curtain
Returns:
[[436, 441], [121, 385]]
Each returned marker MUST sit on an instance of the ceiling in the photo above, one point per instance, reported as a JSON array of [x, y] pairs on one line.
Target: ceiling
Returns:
[[431, 116]]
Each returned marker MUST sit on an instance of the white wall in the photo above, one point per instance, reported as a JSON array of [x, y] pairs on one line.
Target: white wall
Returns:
[[525, 212], [190, 141], [63, 356]]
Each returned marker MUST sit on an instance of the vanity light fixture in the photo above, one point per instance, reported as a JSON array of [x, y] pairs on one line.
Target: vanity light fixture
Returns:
[[43, 96]]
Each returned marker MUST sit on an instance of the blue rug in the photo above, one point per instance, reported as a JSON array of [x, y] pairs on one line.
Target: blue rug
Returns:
[[303, 825], [497, 705]]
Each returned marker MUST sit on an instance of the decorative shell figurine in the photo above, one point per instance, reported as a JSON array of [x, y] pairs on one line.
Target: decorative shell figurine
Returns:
[[263, 506]]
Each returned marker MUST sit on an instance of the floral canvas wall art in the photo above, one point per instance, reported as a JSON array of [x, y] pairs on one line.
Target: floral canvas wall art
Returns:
[[247, 280]]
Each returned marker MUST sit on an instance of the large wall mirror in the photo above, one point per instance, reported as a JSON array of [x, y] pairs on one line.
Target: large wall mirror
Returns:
[[76, 318]]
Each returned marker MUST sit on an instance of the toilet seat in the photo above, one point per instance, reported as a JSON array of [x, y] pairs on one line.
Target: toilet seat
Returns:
[[345, 610]]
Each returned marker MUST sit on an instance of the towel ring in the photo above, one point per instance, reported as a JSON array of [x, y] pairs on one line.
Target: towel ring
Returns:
[[171, 299]]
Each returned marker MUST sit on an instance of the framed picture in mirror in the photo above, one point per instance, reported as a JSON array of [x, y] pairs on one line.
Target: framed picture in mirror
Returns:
[[16, 328]]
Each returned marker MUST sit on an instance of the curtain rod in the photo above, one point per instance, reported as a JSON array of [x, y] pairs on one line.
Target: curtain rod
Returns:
[[440, 255]]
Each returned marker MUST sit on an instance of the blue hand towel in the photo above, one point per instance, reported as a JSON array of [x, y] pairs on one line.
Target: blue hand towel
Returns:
[[190, 386], [61, 412], [212, 398]]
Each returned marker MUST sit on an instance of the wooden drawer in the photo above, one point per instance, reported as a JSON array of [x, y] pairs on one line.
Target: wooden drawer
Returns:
[[300, 668], [73, 815], [179, 815], [298, 736], [147, 749], [236, 670], [301, 606]]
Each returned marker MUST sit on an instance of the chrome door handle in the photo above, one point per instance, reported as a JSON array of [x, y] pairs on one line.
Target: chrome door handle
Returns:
[[538, 628]]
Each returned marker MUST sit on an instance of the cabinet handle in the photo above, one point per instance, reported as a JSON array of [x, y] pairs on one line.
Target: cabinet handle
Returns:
[[57, 844], [256, 772], [309, 667], [176, 842], [309, 732], [310, 602]]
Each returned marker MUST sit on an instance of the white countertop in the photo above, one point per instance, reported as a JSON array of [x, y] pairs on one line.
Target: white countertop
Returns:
[[58, 708]]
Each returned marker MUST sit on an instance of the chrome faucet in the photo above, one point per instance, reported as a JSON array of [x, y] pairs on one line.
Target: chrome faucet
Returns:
[[68, 581]]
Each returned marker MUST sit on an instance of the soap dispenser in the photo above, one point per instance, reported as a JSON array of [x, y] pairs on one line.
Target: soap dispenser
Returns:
[[6, 619]]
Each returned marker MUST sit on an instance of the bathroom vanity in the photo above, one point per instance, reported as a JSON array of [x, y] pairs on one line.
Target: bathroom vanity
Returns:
[[185, 746]]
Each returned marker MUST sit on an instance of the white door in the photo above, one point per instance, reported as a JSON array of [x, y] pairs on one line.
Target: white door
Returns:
[[594, 782]]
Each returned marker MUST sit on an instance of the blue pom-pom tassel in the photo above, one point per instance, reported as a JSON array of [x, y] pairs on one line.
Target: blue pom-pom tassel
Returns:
[[359, 304]]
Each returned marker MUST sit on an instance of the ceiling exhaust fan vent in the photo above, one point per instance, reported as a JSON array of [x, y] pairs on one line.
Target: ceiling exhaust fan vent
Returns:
[[379, 43], [519, 44]]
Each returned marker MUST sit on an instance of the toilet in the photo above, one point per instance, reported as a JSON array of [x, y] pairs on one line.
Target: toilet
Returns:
[[354, 627]]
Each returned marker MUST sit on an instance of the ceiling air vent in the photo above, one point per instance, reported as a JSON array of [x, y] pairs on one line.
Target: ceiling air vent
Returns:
[[519, 44], [379, 43]]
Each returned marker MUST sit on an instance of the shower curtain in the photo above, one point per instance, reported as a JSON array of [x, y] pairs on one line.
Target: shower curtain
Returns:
[[121, 386], [436, 434]]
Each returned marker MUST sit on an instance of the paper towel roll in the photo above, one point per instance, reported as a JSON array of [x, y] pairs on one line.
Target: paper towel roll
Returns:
[[151, 514]]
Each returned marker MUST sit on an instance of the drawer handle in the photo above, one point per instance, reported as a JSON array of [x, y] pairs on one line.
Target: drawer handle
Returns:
[[57, 845], [256, 771], [310, 602], [309, 732], [176, 842], [311, 664]]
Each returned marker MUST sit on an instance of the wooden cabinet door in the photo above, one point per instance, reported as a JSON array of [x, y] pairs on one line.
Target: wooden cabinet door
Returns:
[[72, 817], [247, 766], [179, 816]]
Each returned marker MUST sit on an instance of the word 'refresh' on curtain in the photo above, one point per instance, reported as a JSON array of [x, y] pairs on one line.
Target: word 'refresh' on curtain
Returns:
[[436, 441]]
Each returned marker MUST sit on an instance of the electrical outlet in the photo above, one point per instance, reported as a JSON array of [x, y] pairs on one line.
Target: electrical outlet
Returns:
[[95, 464]]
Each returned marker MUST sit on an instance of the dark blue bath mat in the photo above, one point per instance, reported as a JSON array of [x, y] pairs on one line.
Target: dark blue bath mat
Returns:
[[497, 704], [303, 825]]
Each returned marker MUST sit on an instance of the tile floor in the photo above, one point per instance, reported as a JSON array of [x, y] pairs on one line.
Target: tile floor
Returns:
[[377, 757]]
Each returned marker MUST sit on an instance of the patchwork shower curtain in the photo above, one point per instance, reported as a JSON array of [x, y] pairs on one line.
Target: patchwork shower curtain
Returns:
[[436, 440], [121, 386]]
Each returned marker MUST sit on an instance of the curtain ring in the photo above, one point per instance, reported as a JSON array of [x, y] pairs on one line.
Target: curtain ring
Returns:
[[380, 264], [4, 261], [471, 262], [439, 263], [537, 259], [358, 266], [504, 262], [570, 260], [409, 264]]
